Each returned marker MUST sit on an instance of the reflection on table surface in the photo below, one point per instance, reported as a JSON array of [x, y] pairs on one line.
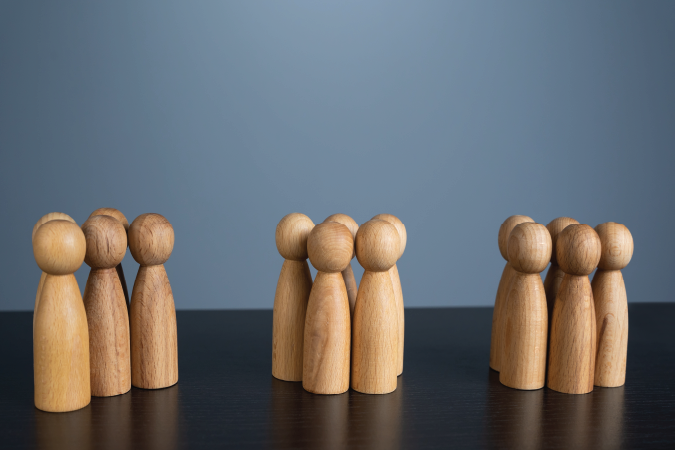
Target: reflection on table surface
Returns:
[[138, 419]]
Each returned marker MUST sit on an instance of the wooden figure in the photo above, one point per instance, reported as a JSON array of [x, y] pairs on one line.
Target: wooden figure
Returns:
[[525, 319], [611, 304], [291, 297], [107, 315], [396, 283], [571, 364], [508, 272], [154, 338], [325, 366], [348, 273], [375, 323], [112, 212], [60, 337], [44, 219]]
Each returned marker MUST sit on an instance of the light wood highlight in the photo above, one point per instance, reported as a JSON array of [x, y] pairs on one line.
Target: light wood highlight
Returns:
[[60, 336], [525, 325], [571, 367], [107, 314], [504, 282], [348, 273], [396, 284], [44, 219], [375, 322], [291, 297], [611, 304], [154, 336]]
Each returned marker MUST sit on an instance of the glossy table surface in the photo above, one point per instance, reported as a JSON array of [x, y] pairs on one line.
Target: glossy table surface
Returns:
[[446, 397]]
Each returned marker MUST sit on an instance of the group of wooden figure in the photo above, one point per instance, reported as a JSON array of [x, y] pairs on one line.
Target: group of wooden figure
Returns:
[[331, 334], [102, 344], [581, 326]]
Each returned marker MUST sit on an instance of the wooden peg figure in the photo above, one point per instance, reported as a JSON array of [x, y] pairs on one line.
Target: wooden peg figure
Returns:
[[396, 283], [525, 325], [291, 297], [44, 219], [325, 366], [112, 212], [107, 315], [611, 304], [60, 337], [348, 273], [508, 272], [571, 365], [154, 338], [375, 322]]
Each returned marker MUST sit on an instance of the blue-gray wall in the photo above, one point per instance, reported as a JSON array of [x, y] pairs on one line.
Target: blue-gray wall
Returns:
[[226, 116]]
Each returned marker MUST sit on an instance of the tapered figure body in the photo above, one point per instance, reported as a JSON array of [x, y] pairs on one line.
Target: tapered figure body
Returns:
[[396, 284], [504, 282], [107, 315], [116, 214], [571, 366], [325, 366], [60, 337], [291, 297], [375, 323], [611, 304], [348, 272], [44, 219], [525, 318], [154, 338]]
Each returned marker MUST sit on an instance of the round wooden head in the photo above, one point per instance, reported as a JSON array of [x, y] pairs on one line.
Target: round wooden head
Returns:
[[347, 221], [529, 247], [555, 227], [377, 245], [112, 212], [505, 231], [578, 249], [330, 247], [48, 217], [291, 236], [59, 247], [106, 242], [151, 239], [400, 228], [617, 246]]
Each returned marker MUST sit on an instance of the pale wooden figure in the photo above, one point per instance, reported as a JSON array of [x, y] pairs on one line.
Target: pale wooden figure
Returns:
[[154, 338], [375, 323], [571, 366], [107, 315], [44, 219], [348, 273], [60, 337], [115, 213], [611, 304], [325, 366], [508, 272], [525, 320], [291, 297], [396, 284]]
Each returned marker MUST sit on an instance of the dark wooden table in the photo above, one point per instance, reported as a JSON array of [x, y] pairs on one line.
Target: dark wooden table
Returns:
[[446, 397]]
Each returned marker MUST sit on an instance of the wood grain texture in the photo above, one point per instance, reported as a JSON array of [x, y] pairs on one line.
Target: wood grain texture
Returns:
[[525, 317], [504, 282], [288, 329], [154, 336], [348, 273], [61, 347], [327, 340]]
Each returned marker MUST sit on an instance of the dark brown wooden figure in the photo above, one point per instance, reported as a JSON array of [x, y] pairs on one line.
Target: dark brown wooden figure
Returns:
[[571, 367], [154, 339], [107, 315]]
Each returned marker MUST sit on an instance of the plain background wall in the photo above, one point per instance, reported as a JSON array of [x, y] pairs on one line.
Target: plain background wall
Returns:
[[226, 116]]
